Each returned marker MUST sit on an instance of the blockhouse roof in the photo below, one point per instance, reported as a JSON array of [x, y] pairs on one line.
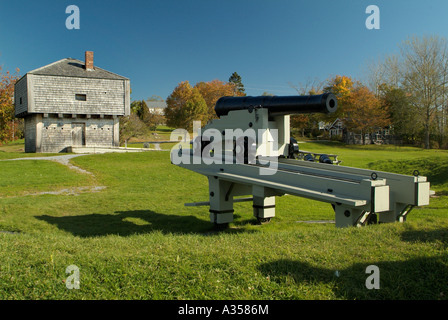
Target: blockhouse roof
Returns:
[[70, 67]]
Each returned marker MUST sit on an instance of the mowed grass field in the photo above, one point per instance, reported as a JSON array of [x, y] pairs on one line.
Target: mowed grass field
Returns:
[[135, 239]]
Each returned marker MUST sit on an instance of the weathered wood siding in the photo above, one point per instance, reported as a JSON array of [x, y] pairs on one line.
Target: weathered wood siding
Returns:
[[54, 94], [30, 134], [57, 133], [21, 96]]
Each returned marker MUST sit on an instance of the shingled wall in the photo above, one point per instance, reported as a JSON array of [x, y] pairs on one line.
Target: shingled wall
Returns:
[[57, 95], [52, 134], [71, 103]]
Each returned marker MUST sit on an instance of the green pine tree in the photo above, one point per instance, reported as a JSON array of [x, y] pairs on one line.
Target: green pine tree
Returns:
[[235, 78]]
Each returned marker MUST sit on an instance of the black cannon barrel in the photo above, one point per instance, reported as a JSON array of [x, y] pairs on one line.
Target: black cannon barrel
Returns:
[[279, 105]]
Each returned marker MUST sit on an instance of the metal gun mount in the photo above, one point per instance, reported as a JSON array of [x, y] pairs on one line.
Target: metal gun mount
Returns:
[[266, 165]]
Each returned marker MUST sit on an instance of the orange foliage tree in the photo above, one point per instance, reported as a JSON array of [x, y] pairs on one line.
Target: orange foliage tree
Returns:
[[7, 121], [307, 122], [185, 105], [341, 87], [358, 107], [364, 113], [301, 122], [213, 90]]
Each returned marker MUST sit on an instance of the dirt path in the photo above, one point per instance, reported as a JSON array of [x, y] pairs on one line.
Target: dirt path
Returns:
[[157, 146], [64, 159]]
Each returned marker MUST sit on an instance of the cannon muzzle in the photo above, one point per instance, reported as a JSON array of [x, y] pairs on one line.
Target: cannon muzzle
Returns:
[[279, 105]]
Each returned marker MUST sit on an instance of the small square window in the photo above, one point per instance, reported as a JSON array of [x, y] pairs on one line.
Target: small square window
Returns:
[[81, 97]]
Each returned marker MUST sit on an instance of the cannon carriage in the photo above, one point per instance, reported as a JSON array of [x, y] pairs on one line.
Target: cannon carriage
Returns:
[[249, 152]]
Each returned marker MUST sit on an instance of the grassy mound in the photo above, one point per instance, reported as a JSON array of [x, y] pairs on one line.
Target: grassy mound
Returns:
[[434, 168]]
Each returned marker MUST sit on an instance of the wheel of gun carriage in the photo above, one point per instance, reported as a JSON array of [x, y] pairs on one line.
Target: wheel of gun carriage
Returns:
[[263, 220]]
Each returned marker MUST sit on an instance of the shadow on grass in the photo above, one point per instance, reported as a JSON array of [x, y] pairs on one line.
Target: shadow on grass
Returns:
[[426, 236], [416, 279], [324, 142], [165, 129], [442, 193], [125, 223]]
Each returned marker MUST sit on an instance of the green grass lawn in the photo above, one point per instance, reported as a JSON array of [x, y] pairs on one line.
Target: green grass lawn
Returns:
[[163, 146], [16, 149], [162, 133], [136, 239], [18, 178]]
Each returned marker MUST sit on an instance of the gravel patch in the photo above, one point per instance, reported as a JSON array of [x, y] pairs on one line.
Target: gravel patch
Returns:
[[64, 159]]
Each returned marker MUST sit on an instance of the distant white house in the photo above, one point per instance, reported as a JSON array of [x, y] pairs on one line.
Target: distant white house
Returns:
[[334, 129], [337, 130], [157, 107]]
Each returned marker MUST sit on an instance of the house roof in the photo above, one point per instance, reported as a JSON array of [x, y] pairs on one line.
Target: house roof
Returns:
[[70, 67], [156, 104], [328, 126], [336, 121]]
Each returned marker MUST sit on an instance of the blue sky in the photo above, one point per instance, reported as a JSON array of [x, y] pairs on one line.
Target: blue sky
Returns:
[[270, 43]]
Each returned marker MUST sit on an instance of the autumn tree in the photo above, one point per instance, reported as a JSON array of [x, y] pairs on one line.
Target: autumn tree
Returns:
[[8, 124], [307, 122], [152, 119], [309, 87], [185, 105], [341, 87], [359, 107], [213, 90], [302, 123], [131, 126], [363, 112], [149, 118]]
